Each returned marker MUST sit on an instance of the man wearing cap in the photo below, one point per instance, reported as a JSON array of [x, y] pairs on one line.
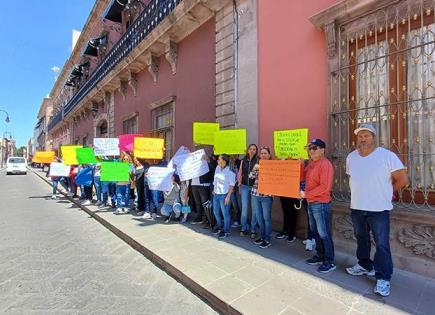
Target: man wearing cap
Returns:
[[375, 173], [319, 174]]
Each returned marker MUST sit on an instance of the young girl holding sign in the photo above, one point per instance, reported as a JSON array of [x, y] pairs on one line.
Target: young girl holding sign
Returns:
[[171, 205]]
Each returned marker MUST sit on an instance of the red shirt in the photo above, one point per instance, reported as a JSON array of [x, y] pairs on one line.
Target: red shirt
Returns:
[[318, 180]]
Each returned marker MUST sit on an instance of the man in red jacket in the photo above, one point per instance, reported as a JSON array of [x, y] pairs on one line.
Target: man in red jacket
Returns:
[[319, 174]]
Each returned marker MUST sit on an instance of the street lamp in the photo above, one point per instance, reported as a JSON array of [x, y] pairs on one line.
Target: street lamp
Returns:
[[7, 115]]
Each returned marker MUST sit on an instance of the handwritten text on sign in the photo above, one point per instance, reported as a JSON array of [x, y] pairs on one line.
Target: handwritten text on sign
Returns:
[[160, 178], [193, 166], [148, 148], [279, 178], [290, 143], [106, 146], [203, 133], [230, 141]]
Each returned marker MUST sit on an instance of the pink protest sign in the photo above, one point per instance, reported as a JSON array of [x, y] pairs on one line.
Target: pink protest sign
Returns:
[[126, 142]]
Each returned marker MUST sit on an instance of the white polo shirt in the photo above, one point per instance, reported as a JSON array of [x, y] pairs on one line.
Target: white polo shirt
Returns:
[[370, 179], [223, 179]]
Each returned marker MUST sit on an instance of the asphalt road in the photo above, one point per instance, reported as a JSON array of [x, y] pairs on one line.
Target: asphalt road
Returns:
[[55, 259]]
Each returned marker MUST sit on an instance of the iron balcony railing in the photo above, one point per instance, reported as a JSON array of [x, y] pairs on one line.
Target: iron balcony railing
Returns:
[[149, 18]]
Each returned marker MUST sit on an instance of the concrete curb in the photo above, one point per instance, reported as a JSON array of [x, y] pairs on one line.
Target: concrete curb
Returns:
[[203, 293]]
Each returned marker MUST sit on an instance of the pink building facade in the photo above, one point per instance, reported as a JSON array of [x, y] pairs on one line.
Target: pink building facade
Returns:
[[267, 65]]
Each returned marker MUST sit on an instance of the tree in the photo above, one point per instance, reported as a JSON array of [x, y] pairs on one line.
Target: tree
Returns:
[[20, 151]]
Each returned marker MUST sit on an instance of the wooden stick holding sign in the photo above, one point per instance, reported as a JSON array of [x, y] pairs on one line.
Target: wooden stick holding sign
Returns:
[[279, 178]]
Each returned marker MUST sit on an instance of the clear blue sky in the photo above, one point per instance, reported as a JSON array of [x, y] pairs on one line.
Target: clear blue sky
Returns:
[[35, 35]]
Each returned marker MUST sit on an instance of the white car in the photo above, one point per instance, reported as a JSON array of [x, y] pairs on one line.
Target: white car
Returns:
[[16, 165]]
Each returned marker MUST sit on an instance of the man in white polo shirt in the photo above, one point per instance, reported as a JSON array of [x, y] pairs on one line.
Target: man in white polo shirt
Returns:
[[375, 173]]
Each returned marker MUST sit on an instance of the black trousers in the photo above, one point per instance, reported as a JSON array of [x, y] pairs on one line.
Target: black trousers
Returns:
[[140, 190], [88, 192], [290, 215], [200, 195]]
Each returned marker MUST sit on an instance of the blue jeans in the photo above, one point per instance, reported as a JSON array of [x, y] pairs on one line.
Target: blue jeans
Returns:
[[55, 182], [379, 223], [98, 188], [245, 192], [319, 215], [122, 195], [154, 198], [219, 207], [262, 206]]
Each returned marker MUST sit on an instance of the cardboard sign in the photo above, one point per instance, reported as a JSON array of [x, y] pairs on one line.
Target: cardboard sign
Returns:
[[126, 142], [279, 178], [148, 148], [203, 132], [193, 166], [230, 141], [115, 172], [86, 156], [160, 178], [291, 143], [106, 146], [44, 157], [59, 170], [69, 154]]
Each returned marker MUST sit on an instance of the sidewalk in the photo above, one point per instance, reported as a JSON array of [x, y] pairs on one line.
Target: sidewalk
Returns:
[[234, 276]]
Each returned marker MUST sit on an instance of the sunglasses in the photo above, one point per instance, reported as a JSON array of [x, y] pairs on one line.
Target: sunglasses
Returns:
[[313, 148]]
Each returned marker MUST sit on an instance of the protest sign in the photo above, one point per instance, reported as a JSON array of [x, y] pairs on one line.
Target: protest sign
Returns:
[[290, 143], [44, 157], [115, 172], [193, 166], [160, 178], [126, 142], [86, 156], [69, 154], [203, 132], [106, 146], [279, 178], [59, 170], [85, 177], [148, 148], [179, 157], [230, 141]]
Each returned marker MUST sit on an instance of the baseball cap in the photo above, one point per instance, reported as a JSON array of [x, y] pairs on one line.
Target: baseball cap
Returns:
[[318, 143], [368, 127]]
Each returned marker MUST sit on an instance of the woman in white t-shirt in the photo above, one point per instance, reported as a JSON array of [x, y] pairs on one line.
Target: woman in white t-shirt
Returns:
[[223, 183]]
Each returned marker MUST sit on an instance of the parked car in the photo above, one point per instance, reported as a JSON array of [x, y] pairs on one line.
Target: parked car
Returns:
[[16, 165]]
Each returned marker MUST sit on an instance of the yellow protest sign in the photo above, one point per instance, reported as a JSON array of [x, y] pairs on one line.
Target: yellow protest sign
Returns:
[[203, 132], [69, 155], [290, 143], [230, 141], [44, 157], [148, 148]]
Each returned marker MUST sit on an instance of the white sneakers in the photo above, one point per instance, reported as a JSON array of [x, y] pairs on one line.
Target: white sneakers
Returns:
[[358, 270], [53, 196], [382, 287], [146, 215], [86, 203]]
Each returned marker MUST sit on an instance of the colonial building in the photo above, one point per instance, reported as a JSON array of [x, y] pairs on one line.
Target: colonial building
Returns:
[[41, 142], [156, 66]]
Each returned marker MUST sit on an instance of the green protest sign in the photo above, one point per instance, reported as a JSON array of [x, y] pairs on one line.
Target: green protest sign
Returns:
[[291, 143], [115, 172], [203, 132], [230, 141], [86, 156]]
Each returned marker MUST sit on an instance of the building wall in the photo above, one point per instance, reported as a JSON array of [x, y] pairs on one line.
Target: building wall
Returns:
[[292, 69]]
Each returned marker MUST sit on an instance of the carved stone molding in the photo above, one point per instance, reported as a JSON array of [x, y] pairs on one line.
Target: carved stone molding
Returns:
[[331, 39], [123, 88], [132, 81], [343, 224], [153, 66], [107, 96], [171, 53], [421, 238]]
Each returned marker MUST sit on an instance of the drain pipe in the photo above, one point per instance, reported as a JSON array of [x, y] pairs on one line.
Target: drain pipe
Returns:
[[236, 58]]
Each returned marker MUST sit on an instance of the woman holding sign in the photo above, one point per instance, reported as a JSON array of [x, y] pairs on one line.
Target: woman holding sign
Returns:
[[224, 181], [262, 204]]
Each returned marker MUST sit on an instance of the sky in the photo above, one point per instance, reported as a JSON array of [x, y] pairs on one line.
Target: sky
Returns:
[[35, 36]]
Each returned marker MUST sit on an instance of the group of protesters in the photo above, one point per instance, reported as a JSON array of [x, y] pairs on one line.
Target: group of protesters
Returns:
[[227, 196]]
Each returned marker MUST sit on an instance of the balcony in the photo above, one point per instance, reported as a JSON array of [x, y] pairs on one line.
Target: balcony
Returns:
[[147, 21]]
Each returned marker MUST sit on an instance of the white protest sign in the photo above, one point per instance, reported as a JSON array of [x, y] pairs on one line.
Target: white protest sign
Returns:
[[160, 178], [180, 156], [106, 146], [193, 166], [59, 169]]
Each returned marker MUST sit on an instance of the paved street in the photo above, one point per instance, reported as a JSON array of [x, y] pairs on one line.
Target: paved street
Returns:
[[55, 259]]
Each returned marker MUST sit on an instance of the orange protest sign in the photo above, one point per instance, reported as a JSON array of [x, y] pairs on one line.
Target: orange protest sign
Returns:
[[279, 178], [44, 157]]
